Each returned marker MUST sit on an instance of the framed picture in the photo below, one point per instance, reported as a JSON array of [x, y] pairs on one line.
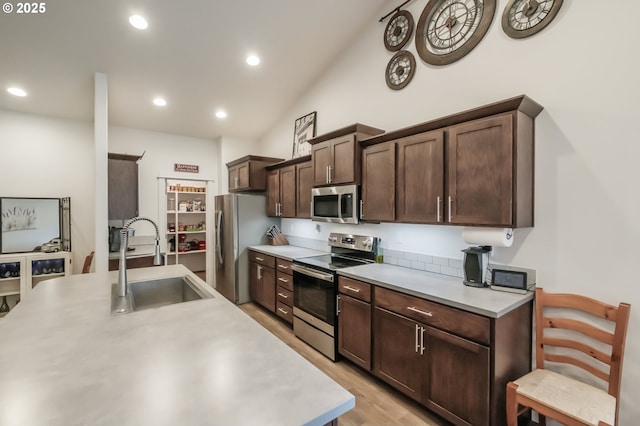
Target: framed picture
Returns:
[[304, 130], [28, 223]]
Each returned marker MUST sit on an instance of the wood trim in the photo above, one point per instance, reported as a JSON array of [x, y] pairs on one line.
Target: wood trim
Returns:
[[569, 360], [354, 128], [114, 156], [519, 103], [286, 163], [254, 158]]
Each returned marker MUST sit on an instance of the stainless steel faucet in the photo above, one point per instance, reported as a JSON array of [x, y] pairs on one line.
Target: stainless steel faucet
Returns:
[[123, 286]]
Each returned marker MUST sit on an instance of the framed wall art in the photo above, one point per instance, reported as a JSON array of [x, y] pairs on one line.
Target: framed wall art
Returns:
[[28, 222], [305, 129]]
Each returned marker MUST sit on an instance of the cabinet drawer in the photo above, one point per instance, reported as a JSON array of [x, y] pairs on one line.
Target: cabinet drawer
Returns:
[[285, 312], [263, 259], [356, 289], [284, 296], [283, 266], [284, 280], [462, 323]]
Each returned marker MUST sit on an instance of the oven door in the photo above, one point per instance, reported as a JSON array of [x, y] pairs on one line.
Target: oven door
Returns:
[[314, 292]]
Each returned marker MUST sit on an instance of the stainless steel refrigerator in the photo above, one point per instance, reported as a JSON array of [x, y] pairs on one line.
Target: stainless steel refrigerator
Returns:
[[240, 222]]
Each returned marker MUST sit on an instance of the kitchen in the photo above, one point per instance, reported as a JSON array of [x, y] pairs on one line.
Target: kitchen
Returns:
[[584, 206]]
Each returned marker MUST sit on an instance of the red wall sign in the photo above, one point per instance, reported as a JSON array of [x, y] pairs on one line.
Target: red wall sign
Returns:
[[187, 168]]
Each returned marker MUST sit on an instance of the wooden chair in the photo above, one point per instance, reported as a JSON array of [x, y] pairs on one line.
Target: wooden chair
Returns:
[[86, 267], [558, 396]]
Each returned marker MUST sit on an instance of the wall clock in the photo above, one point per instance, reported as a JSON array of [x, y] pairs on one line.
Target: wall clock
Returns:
[[398, 30], [400, 70], [523, 18], [449, 29]]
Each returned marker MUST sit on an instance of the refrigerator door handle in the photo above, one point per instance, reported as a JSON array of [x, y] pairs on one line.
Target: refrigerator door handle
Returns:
[[218, 236]]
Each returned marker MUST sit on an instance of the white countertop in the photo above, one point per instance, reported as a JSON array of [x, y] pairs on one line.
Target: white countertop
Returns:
[[288, 252], [439, 288], [66, 360]]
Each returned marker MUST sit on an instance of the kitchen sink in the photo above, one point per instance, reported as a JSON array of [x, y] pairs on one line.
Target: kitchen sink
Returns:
[[156, 293]]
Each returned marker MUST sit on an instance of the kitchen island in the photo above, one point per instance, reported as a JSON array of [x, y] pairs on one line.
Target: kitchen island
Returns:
[[67, 360]]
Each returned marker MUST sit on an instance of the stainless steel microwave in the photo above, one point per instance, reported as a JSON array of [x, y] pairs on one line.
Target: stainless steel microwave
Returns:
[[338, 204]]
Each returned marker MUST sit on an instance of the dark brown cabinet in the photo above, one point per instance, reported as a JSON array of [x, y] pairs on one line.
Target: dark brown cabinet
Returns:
[[284, 290], [354, 321], [454, 362], [248, 173], [281, 192], [471, 168], [304, 183], [262, 279], [379, 188], [336, 156]]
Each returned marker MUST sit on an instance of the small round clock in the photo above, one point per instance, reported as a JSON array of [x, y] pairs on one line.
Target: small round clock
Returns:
[[398, 30], [400, 70], [523, 18], [449, 29]]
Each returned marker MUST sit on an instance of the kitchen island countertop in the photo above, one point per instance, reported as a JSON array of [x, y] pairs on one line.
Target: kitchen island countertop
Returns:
[[439, 288], [66, 360]]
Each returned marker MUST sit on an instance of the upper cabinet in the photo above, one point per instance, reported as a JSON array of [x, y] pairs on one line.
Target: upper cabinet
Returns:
[[289, 188], [248, 173], [473, 168], [336, 156]]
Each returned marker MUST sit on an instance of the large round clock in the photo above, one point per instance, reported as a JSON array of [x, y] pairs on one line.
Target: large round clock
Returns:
[[449, 29], [400, 70], [523, 18], [398, 30]]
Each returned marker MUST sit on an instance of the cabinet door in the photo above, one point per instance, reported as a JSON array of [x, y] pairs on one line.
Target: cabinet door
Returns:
[[243, 175], [378, 182], [255, 285], [457, 383], [304, 183], [396, 358], [420, 175], [269, 289], [234, 179], [480, 172], [288, 191], [343, 160], [321, 158], [354, 330], [273, 192]]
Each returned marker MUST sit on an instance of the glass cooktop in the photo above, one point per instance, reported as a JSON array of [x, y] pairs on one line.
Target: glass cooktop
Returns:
[[332, 262]]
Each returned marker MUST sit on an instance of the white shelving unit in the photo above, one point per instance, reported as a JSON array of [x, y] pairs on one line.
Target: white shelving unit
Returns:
[[20, 273], [186, 223]]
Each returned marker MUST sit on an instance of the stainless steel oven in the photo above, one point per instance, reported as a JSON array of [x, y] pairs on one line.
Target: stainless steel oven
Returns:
[[337, 204], [315, 289]]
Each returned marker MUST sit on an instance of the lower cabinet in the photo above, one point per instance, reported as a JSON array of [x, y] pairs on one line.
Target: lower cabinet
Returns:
[[454, 362], [354, 321], [262, 280], [284, 290]]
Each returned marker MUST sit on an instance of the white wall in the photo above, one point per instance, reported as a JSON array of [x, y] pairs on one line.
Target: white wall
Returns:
[[48, 157], [587, 228]]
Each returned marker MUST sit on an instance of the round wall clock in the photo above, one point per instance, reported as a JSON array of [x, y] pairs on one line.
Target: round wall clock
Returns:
[[449, 29], [400, 70], [523, 18], [398, 30]]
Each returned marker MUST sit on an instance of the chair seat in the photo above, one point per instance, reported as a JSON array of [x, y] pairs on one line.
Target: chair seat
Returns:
[[573, 398]]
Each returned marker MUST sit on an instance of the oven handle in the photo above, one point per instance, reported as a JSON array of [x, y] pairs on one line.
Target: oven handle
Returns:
[[312, 273]]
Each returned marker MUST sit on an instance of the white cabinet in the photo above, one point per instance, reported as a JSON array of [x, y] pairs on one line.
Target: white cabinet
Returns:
[[186, 232], [20, 273]]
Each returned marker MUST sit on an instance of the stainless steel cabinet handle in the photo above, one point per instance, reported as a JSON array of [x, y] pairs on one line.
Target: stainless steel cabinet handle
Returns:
[[414, 309], [356, 290], [337, 305], [284, 296], [361, 209], [283, 311], [421, 340], [283, 280], [326, 174], [450, 201], [235, 180], [283, 267], [259, 259], [438, 209], [417, 343], [330, 174], [259, 272]]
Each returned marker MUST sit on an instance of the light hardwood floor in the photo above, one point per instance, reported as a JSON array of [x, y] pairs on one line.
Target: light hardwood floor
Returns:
[[376, 403]]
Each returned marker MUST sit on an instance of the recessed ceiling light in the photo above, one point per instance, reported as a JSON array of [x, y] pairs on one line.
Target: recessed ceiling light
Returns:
[[221, 114], [159, 102], [138, 22], [253, 60], [16, 91]]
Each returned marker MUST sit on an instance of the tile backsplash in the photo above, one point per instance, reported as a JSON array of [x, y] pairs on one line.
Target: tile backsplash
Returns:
[[422, 262]]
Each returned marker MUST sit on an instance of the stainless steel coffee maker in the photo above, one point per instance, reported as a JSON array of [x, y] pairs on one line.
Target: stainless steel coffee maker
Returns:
[[475, 264]]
